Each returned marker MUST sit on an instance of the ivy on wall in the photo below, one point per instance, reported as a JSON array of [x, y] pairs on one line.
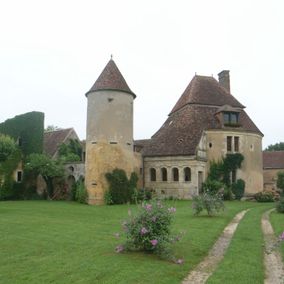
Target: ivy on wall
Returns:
[[27, 129]]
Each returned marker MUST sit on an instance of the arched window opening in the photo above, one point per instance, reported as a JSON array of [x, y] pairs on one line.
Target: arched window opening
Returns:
[[152, 174], [164, 174], [187, 174], [175, 174]]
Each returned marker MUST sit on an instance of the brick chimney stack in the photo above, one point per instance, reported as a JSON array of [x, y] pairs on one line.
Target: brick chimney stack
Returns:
[[224, 79]]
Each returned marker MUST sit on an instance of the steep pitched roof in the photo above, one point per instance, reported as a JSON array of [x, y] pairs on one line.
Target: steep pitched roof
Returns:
[[195, 111], [273, 160], [111, 79], [52, 139], [205, 90]]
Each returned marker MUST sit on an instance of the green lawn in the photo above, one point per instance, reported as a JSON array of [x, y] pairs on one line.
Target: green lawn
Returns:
[[243, 261], [65, 242], [277, 222]]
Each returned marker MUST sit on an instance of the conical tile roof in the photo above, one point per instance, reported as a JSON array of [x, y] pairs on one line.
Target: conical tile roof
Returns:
[[111, 79]]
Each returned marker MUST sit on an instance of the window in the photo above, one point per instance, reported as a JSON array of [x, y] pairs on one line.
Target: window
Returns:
[[229, 143], [164, 174], [175, 174], [234, 176], [187, 174], [236, 143], [19, 176], [231, 117], [152, 174]]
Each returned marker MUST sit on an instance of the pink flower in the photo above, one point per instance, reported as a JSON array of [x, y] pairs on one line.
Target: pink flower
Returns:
[[281, 237], [172, 210], [143, 231], [154, 242], [119, 248], [154, 219], [179, 261], [148, 207]]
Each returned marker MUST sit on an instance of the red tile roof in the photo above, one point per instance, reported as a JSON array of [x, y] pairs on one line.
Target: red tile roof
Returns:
[[195, 112], [205, 90], [52, 139], [273, 159], [111, 79]]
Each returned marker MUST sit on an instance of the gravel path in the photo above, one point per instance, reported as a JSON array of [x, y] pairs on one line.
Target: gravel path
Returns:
[[274, 267], [205, 268]]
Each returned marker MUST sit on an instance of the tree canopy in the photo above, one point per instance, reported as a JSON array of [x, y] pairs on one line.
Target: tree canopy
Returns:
[[275, 147], [7, 147]]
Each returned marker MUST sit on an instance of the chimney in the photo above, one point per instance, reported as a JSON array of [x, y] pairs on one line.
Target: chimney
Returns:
[[224, 79]]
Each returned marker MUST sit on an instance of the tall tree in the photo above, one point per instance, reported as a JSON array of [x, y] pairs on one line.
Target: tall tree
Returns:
[[7, 147]]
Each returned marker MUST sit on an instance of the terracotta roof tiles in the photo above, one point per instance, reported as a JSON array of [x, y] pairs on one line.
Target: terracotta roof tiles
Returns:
[[273, 159]]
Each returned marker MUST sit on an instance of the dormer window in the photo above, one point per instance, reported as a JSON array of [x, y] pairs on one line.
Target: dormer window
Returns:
[[231, 117]]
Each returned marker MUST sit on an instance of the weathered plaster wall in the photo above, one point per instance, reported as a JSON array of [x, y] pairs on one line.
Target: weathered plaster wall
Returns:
[[109, 142], [250, 146], [179, 189]]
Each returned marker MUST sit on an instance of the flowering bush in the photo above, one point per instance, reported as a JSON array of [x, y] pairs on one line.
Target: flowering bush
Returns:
[[212, 203], [149, 231]]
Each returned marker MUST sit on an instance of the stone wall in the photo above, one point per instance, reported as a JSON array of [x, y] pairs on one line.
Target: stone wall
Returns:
[[270, 178], [180, 188], [250, 146]]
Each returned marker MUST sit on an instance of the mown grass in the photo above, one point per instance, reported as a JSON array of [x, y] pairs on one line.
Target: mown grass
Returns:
[[65, 242], [243, 261], [277, 222]]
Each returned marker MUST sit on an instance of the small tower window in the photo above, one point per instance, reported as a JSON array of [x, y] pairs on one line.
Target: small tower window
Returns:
[[231, 118], [164, 174], [236, 143], [175, 174], [187, 174], [19, 176], [152, 174], [229, 143]]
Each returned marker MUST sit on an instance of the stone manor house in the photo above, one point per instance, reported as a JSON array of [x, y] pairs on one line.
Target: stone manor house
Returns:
[[205, 124]]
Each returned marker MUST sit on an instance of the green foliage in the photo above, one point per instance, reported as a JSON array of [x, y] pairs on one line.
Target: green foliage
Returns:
[[149, 230], [108, 198], [121, 189], [70, 152], [7, 147], [41, 164], [10, 156], [227, 193], [212, 185], [280, 181], [264, 196], [275, 147], [280, 205], [81, 193], [231, 163], [142, 194], [238, 188], [216, 170], [212, 203], [27, 129]]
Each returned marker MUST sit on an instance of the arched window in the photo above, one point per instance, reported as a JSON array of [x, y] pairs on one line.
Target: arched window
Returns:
[[164, 174], [175, 174], [152, 174], [187, 174]]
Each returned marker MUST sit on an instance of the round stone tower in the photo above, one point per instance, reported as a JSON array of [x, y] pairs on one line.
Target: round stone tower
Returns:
[[109, 141]]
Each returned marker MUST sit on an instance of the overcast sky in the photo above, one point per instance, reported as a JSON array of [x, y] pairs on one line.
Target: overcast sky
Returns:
[[51, 53]]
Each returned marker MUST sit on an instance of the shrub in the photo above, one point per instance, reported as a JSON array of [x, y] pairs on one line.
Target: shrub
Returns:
[[121, 189], [280, 205], [108, 198], [280, 181], [238, 188], [142, 194], [81, 193], [227, 193], [212, 186], [264, 196], [212, 203], [149, 230]]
